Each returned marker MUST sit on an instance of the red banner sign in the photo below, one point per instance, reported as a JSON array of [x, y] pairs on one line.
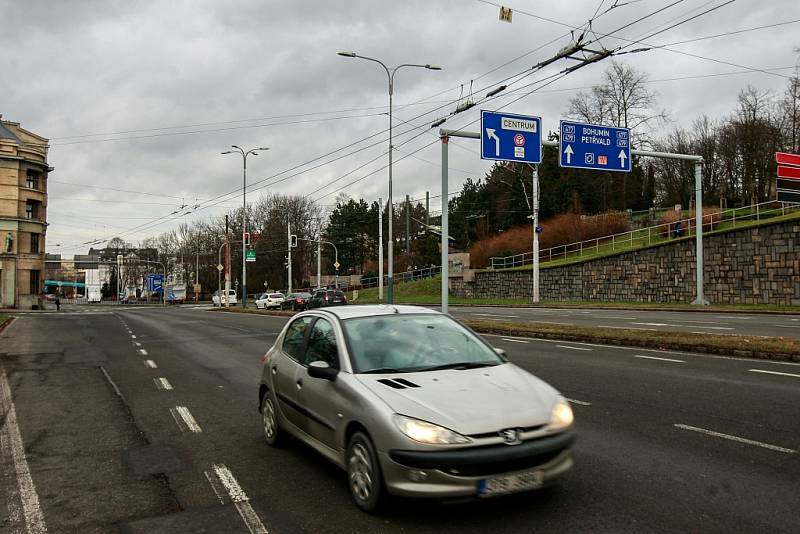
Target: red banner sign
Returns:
[[792, 173], [784, 158]]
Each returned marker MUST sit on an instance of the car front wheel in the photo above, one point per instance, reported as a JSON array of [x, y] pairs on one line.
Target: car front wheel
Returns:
[[269, 422], [364, 474]]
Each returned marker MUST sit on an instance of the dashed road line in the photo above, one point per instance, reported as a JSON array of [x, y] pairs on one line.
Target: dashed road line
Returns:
[[222, 476], [626, 327], [133, 337], [736, 438], [515, 340], [143, 352], [661, 359], [137, 343], [184, 419], [11, 445], [496, 315], [150, 364], [162, 383], [573, 348], [788, 325], [773, 373]]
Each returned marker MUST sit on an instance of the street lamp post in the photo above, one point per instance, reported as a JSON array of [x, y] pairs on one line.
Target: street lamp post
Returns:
[[390, 251], [244, 154]]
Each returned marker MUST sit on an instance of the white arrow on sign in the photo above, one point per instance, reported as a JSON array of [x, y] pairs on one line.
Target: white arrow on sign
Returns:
[[622, 157], [491, 135], [568, 151], [336, 265]]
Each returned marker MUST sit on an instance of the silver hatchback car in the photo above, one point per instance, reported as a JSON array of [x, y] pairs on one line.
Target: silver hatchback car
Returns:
[[411, 402]]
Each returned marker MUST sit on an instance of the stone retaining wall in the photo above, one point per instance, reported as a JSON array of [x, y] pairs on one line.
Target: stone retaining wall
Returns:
[[758, 265]]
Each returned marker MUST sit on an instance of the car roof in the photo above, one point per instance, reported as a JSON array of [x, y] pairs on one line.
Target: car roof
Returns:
[[370, 310]]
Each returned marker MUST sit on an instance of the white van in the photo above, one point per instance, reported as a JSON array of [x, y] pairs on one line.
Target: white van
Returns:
[[231, 298]]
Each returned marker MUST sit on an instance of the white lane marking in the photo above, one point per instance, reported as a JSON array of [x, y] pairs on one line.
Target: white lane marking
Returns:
[[240, 499], [137, 343], [707, 327], [150, 364], [133, 337], [11, 445], [514, 340], [714, 333], [582, 403], [662, 359], [654, 324], [162, 384], [626, 327], [788, 325], [186, 417], [496, 315], [551, 322], [573, 348], [701, 322], [615, 317], [736, 438], [773, 372], [143, 352], [734, 317]]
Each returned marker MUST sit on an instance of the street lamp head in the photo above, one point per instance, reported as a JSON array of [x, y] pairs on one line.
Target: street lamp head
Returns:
[[236, 147], [263, 148], [227, 152], [347, 54], [433, 67]]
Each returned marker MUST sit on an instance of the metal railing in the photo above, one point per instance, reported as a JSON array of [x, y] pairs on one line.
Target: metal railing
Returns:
[[404, 276], [643, 237]]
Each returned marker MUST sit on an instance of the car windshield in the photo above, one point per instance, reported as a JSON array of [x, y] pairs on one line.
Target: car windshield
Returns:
[[414, 342], [276, 296]]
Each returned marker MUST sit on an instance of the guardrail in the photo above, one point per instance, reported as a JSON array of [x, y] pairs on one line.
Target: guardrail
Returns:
[[642, 237]]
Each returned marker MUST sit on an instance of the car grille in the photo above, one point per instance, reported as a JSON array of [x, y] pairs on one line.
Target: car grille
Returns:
[[493, 468]]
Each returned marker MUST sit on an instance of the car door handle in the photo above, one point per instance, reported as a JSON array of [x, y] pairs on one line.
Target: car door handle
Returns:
[[274, 369], [299, 384]]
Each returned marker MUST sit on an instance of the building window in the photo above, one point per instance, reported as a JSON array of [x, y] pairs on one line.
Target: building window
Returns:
[[35, 243], [32, 180], [30, 209], [34, 282]]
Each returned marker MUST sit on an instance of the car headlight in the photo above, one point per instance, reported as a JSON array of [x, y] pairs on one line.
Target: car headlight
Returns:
[[425, 432], [561, 415]]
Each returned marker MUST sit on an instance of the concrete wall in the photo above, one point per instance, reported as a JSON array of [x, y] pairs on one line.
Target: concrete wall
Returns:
[[751, 266]]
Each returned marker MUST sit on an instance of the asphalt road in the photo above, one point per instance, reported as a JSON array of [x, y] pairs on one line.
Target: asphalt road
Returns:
[[667, 441], [748, 324]]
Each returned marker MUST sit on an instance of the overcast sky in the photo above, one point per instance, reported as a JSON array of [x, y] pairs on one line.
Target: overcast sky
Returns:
[[178, 82]]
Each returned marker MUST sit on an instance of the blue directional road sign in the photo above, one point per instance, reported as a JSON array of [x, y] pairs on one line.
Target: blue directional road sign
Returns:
[[591, 146], [510, 137], [155, 283]]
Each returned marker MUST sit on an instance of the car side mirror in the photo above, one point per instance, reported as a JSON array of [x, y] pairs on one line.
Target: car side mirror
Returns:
[[500, 352], [323, 370]]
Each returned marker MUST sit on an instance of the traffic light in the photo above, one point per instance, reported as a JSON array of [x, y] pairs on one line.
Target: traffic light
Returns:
[[246, 238], [294, 241]]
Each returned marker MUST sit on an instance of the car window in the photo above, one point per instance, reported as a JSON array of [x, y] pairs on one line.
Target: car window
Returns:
[[276, 296], [295, 335], [322, 344], [413, 342]]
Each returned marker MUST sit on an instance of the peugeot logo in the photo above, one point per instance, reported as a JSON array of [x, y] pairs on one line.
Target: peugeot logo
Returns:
[[511, 436]]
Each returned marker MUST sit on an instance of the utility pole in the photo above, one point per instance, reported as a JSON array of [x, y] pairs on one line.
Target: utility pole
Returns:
[[227, 262], [535, 234], [319, 257], [197, 270], [408, 224], [289, 250], [427, 207], [380, 249]]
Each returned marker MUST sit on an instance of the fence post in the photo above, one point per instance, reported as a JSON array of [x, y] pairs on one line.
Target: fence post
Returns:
[[613, 243], [758, 212], [581, 249], [648, 236]]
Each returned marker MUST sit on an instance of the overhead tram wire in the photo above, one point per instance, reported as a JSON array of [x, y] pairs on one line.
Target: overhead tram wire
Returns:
[[159, 220]]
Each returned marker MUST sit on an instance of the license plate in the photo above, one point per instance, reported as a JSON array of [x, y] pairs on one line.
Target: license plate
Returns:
[[526, 480]]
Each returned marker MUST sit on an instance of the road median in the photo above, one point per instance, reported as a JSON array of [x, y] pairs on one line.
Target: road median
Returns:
[[766, 348]]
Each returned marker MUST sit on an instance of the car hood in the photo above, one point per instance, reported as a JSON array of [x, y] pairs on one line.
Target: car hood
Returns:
[[468, 401]]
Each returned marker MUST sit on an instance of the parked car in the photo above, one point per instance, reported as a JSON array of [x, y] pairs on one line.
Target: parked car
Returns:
[[327, 297], [270, 300], [295, 301], [410, 402], [231, 298]]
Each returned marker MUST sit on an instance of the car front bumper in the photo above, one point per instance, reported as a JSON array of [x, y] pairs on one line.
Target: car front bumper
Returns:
[[458, 472]]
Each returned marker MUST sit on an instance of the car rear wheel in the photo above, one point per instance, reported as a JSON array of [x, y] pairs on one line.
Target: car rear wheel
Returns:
[[269, 422], [364, 474]]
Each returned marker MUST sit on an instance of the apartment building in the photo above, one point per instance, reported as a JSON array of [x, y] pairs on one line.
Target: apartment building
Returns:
[[23, 216]]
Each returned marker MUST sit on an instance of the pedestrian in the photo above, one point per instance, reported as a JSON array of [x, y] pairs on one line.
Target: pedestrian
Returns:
[[677, 229], [58, 304]]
